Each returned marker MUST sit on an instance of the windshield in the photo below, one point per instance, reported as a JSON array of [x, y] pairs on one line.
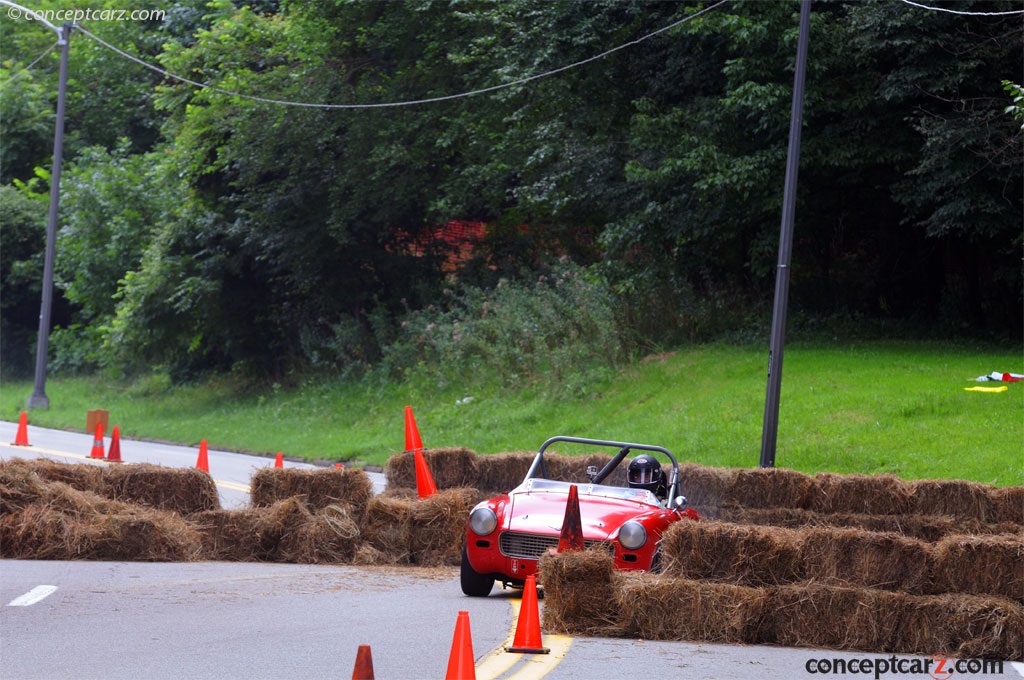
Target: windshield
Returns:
[[539, 484]]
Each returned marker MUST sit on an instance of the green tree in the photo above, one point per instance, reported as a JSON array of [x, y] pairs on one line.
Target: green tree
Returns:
[[21, 274]]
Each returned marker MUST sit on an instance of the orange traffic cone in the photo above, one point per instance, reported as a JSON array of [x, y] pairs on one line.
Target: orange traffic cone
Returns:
[[21, 439], [572, 526], [363, 669], [461, 664], [412, 434], [203, 462], [527, 639], [279, 461], [114, 455], [97, 442], [424, 480]]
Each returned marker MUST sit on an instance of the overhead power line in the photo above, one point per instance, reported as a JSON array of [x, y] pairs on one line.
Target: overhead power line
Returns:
[[26, 68], [430, 100], [955, 11]]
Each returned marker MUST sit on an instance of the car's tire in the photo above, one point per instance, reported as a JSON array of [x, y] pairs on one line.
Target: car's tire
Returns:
[[656, 565], [474, 584]]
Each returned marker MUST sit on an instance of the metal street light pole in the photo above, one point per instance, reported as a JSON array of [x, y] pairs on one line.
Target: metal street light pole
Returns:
[[770, 431], [38, 399]]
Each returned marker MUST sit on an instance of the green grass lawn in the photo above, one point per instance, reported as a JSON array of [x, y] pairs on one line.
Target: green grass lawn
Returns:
[[868, 407]]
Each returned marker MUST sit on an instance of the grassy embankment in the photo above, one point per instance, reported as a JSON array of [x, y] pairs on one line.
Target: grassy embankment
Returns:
[[867, 407]]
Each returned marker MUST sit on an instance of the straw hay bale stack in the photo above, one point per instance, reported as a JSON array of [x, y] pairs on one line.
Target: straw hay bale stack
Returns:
[[719, 551], [288, 531], [1008, 504], [771, 488], [228, 535], [181, 490], [37, 532], [438, 527], [579, 595], [924, 527], [964, 626], [953, 498], [816, 615], [20, 486], [141, 534], [502, 472], [449, 468], [980, 565], [864, 494], [865, 558], [387, 531], [81, 476], [665, 608], [348, 487], [69, 524], [706, 487]]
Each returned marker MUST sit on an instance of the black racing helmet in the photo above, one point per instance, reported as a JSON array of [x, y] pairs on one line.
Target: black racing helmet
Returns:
[[645, 473]]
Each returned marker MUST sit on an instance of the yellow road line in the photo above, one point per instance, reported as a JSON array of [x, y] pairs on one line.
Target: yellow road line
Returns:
[[513, 666], [234, 486]]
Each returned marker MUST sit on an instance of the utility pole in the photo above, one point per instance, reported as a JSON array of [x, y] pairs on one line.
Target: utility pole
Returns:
[[38, 399], [769, 434]]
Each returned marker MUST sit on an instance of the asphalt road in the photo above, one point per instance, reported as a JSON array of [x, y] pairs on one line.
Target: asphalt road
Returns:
[[115, 620]]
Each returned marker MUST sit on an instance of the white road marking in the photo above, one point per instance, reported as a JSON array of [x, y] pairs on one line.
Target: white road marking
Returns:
[[32, 596]]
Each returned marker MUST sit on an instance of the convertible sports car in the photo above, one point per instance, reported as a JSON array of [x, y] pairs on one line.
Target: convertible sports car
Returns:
[[507, 534]]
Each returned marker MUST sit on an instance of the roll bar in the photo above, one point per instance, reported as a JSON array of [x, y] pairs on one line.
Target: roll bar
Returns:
[[537, 467]]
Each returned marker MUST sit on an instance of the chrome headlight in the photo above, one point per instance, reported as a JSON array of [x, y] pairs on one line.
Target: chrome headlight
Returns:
[[632, 535], [483, 521]]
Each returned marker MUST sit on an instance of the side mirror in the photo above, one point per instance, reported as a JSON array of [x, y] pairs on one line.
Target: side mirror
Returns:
[[678, 503]]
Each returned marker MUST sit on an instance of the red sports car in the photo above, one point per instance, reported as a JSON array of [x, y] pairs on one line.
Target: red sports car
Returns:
[[507, 534]]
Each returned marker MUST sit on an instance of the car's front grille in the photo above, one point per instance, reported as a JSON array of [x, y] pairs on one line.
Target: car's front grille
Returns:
[[532, 546]]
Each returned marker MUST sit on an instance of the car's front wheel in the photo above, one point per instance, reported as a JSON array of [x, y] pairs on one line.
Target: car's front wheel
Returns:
[[474, 584]]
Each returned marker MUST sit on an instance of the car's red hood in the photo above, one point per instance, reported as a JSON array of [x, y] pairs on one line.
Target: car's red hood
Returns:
[[542, 512]]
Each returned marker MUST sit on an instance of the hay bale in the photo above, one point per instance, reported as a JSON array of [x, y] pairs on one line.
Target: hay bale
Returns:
[[180, 490], [771, 488], [731, 553], [229, 535], [1008, 504], [81, 476], [663, 608], [330, 537], [348, 487], [574, 468], [578, 592], [706, 487], [288, 531], [980, 565], [829, 617], [953, 498], [438, 527], [863, 494], [387, 531], [502, 472], [449, 468], [961, 626], [46, 531], [864, 558], [142, 534], [20, 486], [38, 532], [928, 528]]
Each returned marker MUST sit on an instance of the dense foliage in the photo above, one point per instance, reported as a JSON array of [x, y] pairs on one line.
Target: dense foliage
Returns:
[[207, 230]]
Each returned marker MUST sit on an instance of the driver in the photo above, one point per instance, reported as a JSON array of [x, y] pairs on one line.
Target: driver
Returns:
[[645, 473]]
